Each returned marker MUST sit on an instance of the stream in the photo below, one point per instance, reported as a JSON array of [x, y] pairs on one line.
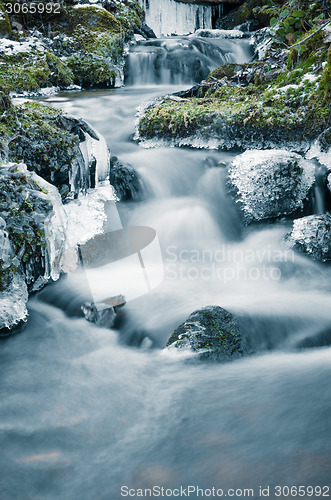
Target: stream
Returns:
[[86, 410]]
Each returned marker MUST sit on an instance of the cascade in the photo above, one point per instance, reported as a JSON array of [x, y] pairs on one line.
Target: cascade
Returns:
[[181, 60]]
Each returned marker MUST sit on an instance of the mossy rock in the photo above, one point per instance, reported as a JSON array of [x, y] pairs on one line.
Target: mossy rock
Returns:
[[5, 27], [90, 72], [24, 207], [33, 68], [126, 181], [210, 333], [35, 134]]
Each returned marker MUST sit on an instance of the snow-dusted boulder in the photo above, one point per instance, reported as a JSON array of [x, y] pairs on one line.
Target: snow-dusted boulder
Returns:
[[312, 235], [271, 183]]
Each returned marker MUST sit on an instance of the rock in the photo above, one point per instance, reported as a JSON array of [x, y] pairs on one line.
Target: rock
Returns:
[[104, 314], [29, 65], [32, 238], [271, 183], [125, 180], [210, 333], [312, 236], [145, 31], [65, 151]]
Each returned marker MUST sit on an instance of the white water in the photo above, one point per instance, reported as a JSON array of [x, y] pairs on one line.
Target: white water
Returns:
[[181, 60], [83, 414]]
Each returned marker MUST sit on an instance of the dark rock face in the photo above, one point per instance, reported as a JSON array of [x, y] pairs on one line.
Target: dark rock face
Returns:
[[125, 180], [312, 236], [211, 333]]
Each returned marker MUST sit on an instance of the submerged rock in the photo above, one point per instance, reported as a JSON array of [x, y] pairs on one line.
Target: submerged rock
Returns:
[[312, 235], [210, 333], [271, 183]]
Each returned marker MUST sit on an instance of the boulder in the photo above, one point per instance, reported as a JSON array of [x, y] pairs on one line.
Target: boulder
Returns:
[[210, 333], [125, 180], [312, 236], [271, 183], [32, 238]]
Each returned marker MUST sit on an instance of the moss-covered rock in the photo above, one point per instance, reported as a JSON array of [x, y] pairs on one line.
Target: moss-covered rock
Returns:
[[210, 333], [37, 135], [125, 180], [82, 44], [30, 65]]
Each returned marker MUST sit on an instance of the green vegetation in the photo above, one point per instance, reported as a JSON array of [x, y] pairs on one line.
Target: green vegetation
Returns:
[[5, 27], [91, 54]]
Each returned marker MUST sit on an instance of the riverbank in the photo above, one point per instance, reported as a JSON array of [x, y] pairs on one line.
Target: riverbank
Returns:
[[282, 98]]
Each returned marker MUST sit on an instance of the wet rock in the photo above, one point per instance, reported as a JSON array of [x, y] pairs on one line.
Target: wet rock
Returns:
[[105, 314], [125, 180], [211, 333], [271, 183], [145, 31], [312, 236]]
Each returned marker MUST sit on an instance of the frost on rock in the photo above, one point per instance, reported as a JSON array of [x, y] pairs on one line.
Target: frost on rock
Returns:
[[312, 235], [218, 33], [13, 303], [32, 237], [321, 149], [271, 183], [210, 333]]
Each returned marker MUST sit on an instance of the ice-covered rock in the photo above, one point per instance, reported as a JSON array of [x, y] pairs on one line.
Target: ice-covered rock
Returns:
[[271, 183], [217, 33], [209, 333], [312, 235], [13, 303], [32, 236], [321, 149]]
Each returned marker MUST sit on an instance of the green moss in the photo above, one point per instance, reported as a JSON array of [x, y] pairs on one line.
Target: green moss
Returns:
[[91, 72], [33, 70], [5, 27], [34, 133]]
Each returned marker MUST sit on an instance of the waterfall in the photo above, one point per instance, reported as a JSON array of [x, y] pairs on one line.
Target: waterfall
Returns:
[[167, 17], [180, 59]]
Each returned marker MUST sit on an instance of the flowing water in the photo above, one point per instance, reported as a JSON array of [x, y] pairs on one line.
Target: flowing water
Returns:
[[85, 409]]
